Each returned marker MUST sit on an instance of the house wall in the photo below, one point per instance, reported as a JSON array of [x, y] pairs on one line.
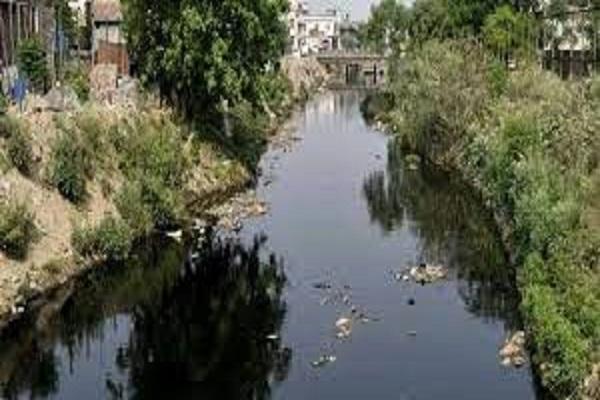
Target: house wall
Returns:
[[108, 32], [113, 53], [22, 20]]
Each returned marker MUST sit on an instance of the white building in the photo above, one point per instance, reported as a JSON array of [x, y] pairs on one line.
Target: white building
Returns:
[[80, 8], [312, 33]]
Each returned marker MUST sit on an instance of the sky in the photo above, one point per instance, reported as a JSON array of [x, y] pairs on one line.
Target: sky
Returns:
[[360, 8]]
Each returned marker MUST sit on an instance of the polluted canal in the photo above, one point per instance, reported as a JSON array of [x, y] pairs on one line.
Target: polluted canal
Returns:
[[312, 300]]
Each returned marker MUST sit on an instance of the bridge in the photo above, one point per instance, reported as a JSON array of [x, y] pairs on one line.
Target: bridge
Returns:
[[354, 69]]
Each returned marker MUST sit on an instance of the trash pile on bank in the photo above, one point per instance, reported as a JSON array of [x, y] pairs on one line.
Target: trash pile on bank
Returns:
[[513, 353], [230, 215]]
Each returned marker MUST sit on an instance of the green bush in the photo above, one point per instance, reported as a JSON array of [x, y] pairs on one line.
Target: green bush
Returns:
[[275, 91], [20, 152], [529, 142], [17, 229], [77, 78], [8, 125], [134, 210], [67, 168], [497, 78], [33, 62], [111, 240], [249, 129], [562, 353], [154, 162], [3, 104]]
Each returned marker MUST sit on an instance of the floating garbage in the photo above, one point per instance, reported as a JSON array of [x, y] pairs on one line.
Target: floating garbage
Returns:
[[322, 285], [425, 273], [400, 277], [273, 337], [513, 352], [323, 360], [344, 328]]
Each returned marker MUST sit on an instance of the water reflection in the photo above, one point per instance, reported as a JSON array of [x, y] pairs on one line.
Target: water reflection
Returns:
[[453, 229], [206, 327]]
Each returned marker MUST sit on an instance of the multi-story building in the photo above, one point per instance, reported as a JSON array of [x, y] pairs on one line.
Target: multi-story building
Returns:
[[311, 33]]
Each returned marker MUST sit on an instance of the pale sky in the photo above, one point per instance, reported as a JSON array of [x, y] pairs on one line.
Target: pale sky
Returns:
[[360, 8]]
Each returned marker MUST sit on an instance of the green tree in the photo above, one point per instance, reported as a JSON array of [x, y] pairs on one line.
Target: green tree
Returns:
[[442, 19], [507, 32], [386, 27], [199, 53], [33, 63]]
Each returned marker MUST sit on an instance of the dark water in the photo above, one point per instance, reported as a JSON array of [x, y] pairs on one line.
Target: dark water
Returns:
[[240, 318]]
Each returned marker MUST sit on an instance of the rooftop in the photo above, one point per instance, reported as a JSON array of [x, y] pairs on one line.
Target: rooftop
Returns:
[[107, 11]]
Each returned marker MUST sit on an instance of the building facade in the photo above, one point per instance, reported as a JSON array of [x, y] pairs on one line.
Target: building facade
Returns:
[[312, 33], [23, 19], [108, 39], [81, 10]]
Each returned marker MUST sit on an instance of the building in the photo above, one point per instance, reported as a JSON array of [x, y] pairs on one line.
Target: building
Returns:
[[311, 33], [22, 19], [108, 38], [81, 10], [569, 41], [293, 15], [319, 32]]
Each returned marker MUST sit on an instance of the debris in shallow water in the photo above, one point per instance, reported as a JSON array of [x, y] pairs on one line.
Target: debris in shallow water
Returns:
[[324, 360], [322, 285], [412, 333], [344, 328], [425, 273], [346, 300], [400, 277], [513, 351]]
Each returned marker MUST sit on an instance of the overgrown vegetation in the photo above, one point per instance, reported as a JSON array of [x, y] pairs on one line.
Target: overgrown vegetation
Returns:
[[33, 63], [68, 167], [154, 162], [8, 125], [209, 70], [17, 229], [111, 240], [147, 153], [77, 77], [19, 150], [529, 142], [471, 98]]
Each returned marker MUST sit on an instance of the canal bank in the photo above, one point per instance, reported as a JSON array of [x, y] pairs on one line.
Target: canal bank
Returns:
[[534, 164], [94, 140], [251, 314]]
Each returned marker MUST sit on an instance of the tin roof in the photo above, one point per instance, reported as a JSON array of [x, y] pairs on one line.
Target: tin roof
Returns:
[[107, 10]]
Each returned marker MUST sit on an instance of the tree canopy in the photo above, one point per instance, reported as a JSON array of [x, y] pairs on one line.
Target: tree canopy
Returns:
[[387, 25], [201, 52]]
